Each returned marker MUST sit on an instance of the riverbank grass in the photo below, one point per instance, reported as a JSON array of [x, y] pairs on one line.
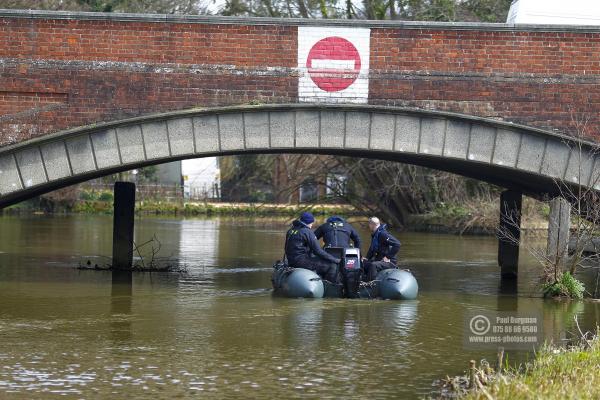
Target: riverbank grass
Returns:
[[157, 207], [557, 373]]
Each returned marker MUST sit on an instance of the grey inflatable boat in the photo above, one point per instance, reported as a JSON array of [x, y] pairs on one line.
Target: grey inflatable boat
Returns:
[[392, 284]]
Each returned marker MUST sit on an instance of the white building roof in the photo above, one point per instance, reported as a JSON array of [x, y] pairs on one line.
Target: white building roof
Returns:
[[550, 12]]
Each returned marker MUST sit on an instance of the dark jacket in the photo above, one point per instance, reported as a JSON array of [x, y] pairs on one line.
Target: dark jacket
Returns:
[[383, 244], [336, 232], [301, 243]]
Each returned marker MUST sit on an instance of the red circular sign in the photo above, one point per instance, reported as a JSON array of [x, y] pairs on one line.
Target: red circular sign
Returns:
[[333, 64]]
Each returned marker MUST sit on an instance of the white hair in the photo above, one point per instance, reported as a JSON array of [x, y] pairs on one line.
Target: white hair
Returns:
[[374, 221]]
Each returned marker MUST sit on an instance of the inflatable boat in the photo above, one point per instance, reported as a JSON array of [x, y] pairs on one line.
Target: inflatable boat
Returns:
[[392, 284]]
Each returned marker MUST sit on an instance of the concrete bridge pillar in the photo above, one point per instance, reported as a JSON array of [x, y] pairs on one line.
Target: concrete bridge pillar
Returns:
[[124, 208], [559, 223], [509, 233]]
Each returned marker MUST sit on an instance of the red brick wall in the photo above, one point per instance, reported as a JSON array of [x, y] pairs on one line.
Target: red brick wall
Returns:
[[59, 73], [543, 79], [21, 102]]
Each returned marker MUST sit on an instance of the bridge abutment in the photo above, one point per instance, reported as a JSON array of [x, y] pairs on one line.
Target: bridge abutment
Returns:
[[509, 234], [559, 223], [124, 209]]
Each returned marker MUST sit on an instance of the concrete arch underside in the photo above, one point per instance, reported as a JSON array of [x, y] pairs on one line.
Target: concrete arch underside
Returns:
[[512, 156]]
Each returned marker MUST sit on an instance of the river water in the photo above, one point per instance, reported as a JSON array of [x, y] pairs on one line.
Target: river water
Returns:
[[217, 332]]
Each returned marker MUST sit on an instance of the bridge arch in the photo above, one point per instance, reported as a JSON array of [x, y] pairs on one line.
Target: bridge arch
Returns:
[[514, 156]]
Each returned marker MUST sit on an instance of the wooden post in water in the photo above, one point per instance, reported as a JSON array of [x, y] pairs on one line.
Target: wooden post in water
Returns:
[[559, 224], [472, 374], [509, 234], [124, 208]]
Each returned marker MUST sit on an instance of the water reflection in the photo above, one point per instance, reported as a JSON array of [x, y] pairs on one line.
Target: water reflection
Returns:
[[304, 325], [199, 241], [218, 330], [508, 299], [509, 286], [121, 300], [402, 316]]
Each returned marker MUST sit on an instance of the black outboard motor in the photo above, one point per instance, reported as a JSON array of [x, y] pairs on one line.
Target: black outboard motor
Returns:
[[349, 269], [351, 272]]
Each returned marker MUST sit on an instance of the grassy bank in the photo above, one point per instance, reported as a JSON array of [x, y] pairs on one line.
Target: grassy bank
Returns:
[[557, 373], [474, 218], [157, 207]]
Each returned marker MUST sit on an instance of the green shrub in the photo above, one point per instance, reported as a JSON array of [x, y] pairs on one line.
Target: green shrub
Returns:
[[87, 195], [92, 207], [545, 210], [566, 286], [106, 196]]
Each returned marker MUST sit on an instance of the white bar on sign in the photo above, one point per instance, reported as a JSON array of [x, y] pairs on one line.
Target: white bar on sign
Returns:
[[332, 64]]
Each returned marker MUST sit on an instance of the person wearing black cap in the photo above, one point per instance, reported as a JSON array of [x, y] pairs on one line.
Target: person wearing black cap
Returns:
[[337, 232], [302, 250]]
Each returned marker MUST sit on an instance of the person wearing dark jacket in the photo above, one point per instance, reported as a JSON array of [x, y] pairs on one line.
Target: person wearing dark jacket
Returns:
[[336, 232], [302, 250], [382, 252]]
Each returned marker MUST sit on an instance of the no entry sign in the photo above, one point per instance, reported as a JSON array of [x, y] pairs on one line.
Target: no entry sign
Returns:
[[333, 64]]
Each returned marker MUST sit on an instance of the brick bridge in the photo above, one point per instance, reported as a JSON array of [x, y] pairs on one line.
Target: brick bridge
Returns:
[[84, 95]]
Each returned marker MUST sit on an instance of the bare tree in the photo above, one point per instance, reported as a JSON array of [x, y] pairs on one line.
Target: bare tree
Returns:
[[294, 171], [581, 192], [139, 6], [584, 198]]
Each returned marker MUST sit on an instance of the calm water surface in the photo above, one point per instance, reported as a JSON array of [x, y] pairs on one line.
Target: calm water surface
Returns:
[[216, 332]]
